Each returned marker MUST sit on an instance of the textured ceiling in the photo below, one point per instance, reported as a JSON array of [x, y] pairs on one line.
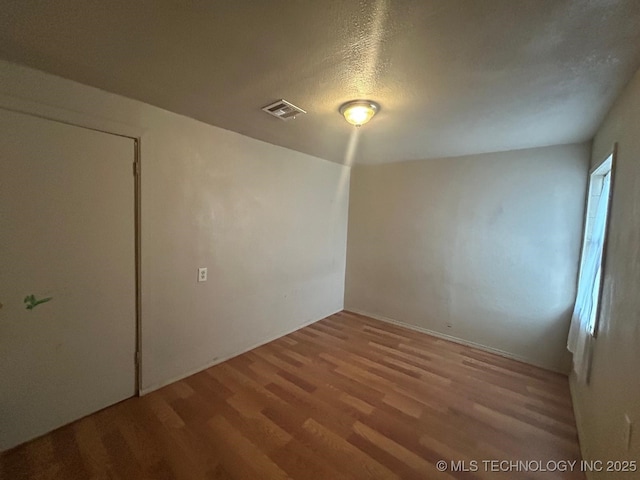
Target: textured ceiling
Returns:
[[453, 77]]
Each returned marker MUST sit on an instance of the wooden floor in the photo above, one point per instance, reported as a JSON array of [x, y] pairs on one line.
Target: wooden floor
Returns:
[[345, 398]]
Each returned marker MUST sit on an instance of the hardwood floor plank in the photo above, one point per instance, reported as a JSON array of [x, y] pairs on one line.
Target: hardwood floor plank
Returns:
[[304, 463], [241, 455], [406, 456], [92, 450], [335, 448], [348, 397]]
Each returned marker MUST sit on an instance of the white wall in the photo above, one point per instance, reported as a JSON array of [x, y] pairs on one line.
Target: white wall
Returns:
[[482, 248], [614, 387], [268, 222]]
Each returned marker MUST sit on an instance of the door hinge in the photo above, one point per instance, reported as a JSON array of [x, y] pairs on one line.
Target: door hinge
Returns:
[[138, 358], [136, 168]]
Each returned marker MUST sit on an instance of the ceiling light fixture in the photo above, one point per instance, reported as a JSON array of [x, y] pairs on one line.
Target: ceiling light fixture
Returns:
[[359, 112]]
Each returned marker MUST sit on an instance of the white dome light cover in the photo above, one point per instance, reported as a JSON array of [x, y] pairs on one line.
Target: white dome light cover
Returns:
[[359, 112]]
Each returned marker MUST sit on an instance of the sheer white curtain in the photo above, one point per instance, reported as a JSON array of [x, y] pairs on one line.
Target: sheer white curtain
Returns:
[[585, 310]]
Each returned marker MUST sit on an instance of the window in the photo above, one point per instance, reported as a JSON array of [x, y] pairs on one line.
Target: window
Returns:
[[585, 318], [591, 262]]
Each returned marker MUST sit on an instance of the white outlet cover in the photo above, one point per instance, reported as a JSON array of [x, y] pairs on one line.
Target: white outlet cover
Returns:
[[202, 274]]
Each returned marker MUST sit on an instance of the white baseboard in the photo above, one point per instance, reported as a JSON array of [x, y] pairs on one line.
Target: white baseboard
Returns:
[[216, 361], [453, 339]]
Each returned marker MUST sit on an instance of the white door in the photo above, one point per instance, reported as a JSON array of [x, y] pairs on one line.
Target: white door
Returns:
[[67, 232]]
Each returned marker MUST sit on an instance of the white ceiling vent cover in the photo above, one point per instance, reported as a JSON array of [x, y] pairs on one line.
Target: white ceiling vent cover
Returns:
[[283, 110]]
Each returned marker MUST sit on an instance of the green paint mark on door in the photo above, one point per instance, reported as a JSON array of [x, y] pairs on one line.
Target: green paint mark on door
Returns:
[[31, 302]]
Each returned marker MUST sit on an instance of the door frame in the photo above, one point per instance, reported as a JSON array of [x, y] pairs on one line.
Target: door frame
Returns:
[[68, 117]]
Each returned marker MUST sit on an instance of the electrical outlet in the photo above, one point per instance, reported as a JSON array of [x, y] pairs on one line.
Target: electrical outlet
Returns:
[[627, 431], [202, 274]]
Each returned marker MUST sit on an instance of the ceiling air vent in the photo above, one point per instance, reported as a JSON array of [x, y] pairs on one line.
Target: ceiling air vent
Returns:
[[283, 110]]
